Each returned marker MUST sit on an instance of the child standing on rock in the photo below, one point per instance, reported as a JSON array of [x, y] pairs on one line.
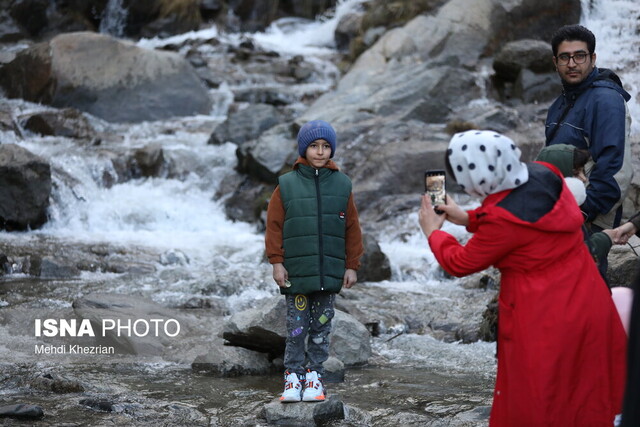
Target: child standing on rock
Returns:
[[314, 242]]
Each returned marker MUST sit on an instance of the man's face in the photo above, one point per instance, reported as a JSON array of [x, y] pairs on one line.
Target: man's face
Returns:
[[571, 72]]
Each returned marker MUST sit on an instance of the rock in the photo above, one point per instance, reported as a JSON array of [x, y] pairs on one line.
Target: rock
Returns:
[[248, 200], [246, 124], [228, 361], [270, 155], [150, 160], [56, 384], [162, 18], [347, 29], [102, 405], [537, 88], [623, 265], [264, 329], [21, 410], [350, 340], [25, 186], [333, 370], [513, 57], [304, 414], [68, 122], [108, 78], [260, 329], [330, 410], [52, 268], [133, 325], [375, 265]]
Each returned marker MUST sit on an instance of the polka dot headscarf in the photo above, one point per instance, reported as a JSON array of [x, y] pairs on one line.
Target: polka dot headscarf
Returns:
[[485, 162]]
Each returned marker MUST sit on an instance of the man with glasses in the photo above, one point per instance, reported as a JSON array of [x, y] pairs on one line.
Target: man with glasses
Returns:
[[591, 113]]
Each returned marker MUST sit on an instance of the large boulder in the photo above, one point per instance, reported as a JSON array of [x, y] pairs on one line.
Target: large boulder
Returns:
[[108, 78], [264, 329], [25, 186], [246, 124]]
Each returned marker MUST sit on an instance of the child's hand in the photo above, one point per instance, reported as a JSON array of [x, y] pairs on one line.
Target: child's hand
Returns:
[[280, 274], [350, 278]]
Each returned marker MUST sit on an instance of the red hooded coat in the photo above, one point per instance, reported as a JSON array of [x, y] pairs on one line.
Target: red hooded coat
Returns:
[[561, 344]]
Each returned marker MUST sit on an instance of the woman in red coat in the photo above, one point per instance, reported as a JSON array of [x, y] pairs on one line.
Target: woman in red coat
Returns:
[[561, 345]]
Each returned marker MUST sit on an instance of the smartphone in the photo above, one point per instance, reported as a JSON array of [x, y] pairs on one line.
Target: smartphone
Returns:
[[434, 181]]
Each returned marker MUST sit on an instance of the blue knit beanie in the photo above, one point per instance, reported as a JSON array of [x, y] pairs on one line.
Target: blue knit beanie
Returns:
[[316, 129]]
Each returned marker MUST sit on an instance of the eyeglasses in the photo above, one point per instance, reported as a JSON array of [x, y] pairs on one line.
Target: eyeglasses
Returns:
[[578, 58]]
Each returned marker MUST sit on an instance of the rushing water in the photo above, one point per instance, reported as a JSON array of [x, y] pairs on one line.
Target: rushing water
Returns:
[[180, 215]]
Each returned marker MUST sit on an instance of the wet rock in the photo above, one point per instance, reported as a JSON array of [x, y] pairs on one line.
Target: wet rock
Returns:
[[21, 410], [10, 31], [150, 160], [25, 186], [304, 413], [129, 327], [246, 124], [30, 15], [228, 361], [347, 29], [375, 265], [68, 122], [488, 330], [273, 153], [102, 405], [118, 81], [51, 268], [7, 123], [334, 370], [264, 329], [56, 384], [261, 329], [248, 200], [174, 257], [162, 18]]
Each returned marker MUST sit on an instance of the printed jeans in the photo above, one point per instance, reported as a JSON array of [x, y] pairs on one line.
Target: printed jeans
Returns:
[[308, 316]]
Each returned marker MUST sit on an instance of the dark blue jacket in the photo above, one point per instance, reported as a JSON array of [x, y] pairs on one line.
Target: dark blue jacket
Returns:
[[597, 120]]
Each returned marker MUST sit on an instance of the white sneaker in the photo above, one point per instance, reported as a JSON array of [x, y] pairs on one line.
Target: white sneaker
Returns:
[[292, 388], [313, 388]]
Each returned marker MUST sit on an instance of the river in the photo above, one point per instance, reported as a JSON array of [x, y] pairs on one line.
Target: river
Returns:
[[413, 379]]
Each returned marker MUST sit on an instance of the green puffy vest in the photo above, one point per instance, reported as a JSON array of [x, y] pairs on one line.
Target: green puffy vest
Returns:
[[315, 204]]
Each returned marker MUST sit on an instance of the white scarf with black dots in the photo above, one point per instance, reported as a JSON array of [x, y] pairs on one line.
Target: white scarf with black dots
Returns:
[[486, 162]]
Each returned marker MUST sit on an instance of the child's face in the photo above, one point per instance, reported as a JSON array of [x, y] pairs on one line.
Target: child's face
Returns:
[[318, 153]]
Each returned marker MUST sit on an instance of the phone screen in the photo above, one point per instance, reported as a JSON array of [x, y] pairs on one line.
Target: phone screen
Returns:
[[434, 186]]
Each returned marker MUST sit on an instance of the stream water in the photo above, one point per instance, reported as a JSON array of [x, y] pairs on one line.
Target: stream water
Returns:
[[413, 379]]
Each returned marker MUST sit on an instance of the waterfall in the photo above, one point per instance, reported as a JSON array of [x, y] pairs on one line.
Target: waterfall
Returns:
[[113, 21], [615, 24]]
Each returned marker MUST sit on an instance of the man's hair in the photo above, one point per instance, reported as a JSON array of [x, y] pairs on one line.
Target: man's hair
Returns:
[[573, 33]]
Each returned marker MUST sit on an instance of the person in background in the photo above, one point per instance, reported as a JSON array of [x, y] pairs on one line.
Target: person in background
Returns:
[[314, 243], [561, 345], [591, 114]]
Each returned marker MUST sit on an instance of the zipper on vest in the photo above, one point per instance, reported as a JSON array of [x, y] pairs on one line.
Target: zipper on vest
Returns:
[[320, 245]]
